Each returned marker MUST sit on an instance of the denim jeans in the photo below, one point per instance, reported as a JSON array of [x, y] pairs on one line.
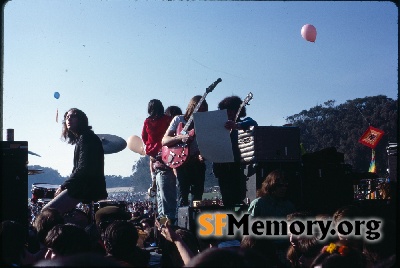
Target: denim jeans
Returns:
[[166, 193]]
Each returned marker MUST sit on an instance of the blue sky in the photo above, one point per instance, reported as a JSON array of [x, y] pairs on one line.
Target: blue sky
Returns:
[[109, 58]]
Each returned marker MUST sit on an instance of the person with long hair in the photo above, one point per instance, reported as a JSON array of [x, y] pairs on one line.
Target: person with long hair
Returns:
[[86, 182], [191, 174], [272, 202], [163, 178], [271, 198]]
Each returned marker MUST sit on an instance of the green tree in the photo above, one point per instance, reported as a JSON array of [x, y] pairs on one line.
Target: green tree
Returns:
[[342, 126]]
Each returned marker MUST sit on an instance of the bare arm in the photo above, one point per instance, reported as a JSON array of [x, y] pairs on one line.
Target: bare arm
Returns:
[[170, 138], [175, 238]]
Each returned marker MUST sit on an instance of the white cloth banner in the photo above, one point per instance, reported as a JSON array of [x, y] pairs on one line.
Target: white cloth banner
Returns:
[[212, 137]]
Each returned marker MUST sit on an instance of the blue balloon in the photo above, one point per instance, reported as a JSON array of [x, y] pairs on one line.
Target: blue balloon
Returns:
[[56, 95]]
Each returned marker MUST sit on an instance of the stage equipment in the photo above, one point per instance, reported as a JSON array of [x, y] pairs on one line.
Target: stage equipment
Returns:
[[269, 144], [111, 143], [14, 181]]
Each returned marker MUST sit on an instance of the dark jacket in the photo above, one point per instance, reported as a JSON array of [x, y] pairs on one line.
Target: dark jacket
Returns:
[[87, 181]]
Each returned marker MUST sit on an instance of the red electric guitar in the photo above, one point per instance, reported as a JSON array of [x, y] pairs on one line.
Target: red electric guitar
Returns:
[[177, 154]]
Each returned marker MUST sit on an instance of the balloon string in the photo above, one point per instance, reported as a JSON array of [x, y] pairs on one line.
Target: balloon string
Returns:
[[57, 116], [362, 115]]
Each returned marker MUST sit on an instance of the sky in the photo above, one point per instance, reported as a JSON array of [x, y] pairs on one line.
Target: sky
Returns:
[[109, 58]]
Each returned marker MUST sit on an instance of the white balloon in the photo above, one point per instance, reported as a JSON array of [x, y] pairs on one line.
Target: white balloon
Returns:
[[135, 144]]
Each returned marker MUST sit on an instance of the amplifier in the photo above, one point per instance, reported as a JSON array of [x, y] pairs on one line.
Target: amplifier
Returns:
[[14, 181], [269, 144]]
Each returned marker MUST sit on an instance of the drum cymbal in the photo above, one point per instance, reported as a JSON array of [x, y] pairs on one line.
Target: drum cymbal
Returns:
[[111, 143], [34, 171]]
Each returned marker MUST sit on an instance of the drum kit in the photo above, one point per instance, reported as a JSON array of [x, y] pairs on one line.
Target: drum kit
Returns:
[[43, 193]]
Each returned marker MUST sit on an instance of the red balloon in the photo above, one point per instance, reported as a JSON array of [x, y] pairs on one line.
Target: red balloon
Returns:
[[309, 32]]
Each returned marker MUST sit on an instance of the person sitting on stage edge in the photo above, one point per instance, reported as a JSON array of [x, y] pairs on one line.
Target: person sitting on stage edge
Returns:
[[86, 182], [231, 178]]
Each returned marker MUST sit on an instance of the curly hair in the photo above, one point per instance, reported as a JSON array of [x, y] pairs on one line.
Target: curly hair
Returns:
[[232, 103]]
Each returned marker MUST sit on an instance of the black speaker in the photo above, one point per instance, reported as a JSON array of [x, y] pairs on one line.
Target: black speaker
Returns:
[[186, 218], [269, 144], [392, 159], [325, 188], [14, 181]]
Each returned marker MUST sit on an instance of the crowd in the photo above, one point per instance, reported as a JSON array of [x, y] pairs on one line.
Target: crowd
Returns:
[[126, 234]]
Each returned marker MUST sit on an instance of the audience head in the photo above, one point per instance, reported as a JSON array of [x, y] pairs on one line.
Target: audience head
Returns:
[[120, 238], [348, 212], [275, 184], [45, 221], [262, 246], [67, 239], [383, 249], [106, 215], [339, 254]]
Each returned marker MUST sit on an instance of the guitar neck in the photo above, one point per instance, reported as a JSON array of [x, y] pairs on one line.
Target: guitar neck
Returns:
[[238, 112], [184, 130], [244, 103]]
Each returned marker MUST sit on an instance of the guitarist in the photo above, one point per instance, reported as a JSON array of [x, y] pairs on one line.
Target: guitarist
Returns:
[[190, 175], [231, 178]]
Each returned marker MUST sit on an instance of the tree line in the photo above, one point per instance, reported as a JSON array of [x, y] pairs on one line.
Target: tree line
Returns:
[[341, 126]]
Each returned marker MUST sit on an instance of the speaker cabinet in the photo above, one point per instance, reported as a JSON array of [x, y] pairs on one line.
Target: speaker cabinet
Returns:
[[14, 181], [392, 159], [269, 144]]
